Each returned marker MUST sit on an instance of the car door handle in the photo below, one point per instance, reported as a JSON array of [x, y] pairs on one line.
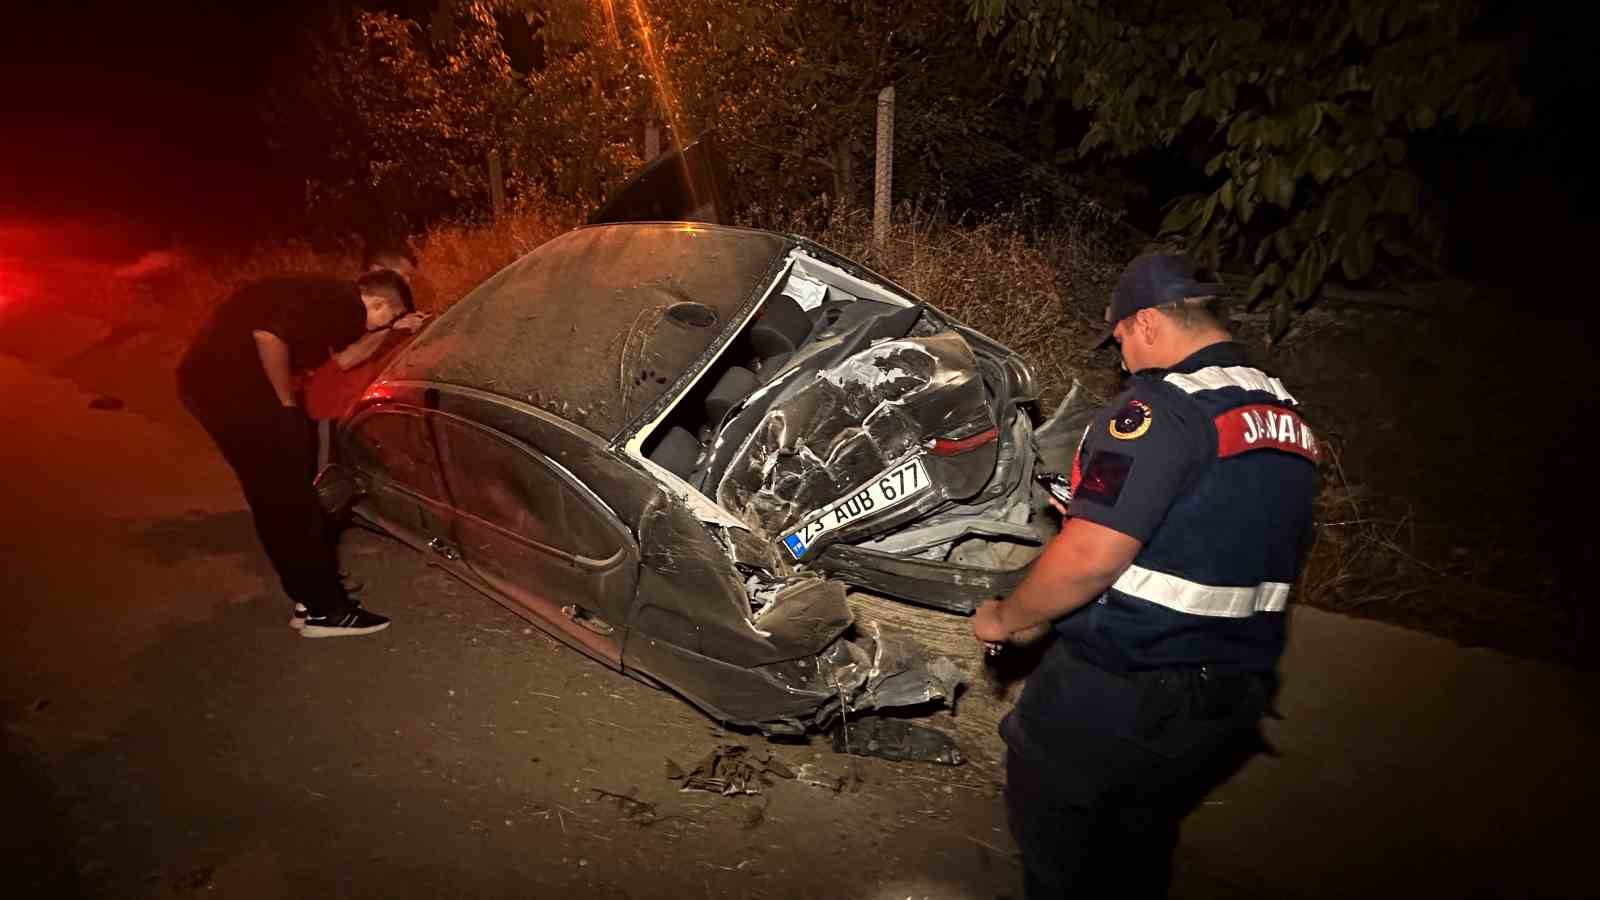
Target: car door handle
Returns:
[[444, 549]]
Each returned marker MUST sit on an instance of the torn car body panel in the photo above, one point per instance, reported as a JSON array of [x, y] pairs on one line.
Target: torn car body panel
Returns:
[[830, 433], [772, 665], [834, 667]]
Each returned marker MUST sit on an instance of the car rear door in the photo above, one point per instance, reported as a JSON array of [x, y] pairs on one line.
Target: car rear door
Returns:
[[537, 536], [403, 490]]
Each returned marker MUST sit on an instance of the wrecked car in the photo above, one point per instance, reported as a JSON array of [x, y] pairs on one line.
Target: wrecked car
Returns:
[[675, 446]]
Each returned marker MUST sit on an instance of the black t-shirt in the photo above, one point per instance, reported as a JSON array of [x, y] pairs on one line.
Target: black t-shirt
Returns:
[[313, 316]]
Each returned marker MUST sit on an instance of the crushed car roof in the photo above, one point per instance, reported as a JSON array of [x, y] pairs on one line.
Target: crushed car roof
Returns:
[[597, 324]]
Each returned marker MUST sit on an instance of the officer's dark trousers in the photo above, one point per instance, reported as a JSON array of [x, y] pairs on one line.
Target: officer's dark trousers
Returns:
[[1102, 767], [272, 451]]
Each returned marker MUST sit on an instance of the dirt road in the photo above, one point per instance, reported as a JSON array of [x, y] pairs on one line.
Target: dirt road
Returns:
[[166, 734]]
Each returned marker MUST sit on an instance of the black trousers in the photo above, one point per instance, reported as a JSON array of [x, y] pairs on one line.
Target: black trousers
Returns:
[[273, 452], [1102, 768]]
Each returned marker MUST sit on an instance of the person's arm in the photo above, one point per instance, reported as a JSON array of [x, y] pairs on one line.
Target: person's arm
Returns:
[[1076, 567], [360, 351], [274, 355]]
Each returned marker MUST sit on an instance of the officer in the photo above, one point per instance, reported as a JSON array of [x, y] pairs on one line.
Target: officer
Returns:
[[1190, 516]]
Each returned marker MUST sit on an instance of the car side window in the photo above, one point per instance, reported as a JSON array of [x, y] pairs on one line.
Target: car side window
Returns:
[[396, 446], [496, 479]]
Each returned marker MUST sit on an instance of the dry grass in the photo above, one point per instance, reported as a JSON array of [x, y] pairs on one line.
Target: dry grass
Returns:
[[1362, 559], [452, 259]]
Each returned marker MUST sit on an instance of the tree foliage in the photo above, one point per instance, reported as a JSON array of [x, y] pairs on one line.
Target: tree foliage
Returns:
[[793, 85], [1303, 118], [397, 115], [380, 97]]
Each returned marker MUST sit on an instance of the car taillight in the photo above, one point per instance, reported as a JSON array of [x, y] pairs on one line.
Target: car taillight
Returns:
[[957, 446]]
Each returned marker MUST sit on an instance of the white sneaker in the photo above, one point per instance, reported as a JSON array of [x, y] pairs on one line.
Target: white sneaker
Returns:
[[298, 620]]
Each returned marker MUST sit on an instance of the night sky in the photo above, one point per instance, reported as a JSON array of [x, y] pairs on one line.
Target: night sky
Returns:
[[143, 111]]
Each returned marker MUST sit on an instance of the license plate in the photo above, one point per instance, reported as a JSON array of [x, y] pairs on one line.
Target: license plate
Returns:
[[884, 492]]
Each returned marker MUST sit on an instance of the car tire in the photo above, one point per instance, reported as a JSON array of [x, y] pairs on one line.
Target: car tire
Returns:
[[734, 385], [677, 452]]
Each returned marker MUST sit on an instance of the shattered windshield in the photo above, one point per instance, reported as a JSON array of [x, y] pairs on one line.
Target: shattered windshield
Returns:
[[597, 324]]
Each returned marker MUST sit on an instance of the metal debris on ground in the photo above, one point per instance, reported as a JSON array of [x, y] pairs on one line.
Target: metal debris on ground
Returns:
[[729, 769], [641, 812], [898, 740]]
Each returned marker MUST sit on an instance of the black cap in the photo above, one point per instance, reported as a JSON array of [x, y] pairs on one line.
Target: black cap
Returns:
[[1156, 279]]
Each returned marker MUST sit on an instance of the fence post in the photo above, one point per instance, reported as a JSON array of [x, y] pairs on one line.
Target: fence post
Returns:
[[883, 178], [652, 140], [497, 185]]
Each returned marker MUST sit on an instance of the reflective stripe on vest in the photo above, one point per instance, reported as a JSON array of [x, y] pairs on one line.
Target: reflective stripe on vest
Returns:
[[1202, 599], [1213, 378]]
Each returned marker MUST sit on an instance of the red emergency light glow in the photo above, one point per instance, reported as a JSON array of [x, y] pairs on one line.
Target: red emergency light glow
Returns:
[[9, 288]]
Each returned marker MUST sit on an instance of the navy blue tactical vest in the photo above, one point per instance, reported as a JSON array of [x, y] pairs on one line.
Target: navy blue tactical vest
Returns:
[[1210, 586]]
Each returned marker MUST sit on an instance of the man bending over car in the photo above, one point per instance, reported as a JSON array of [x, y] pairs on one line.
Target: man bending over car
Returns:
[[237, 380]]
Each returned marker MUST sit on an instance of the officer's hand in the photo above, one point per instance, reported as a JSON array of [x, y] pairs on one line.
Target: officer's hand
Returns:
[[1060, 507], [410, 323], [987, 627]]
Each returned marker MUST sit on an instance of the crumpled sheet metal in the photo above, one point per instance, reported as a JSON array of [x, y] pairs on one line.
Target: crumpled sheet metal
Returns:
[[673, 543], [686, 573], [853, 674], [1002, 509], [807, 613], [830, 433], [923, 582], [896, 739], [891, 672]]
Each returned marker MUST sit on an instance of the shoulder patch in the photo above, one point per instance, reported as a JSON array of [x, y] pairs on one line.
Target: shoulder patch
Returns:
[[1131, 421], [1104, 477]]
